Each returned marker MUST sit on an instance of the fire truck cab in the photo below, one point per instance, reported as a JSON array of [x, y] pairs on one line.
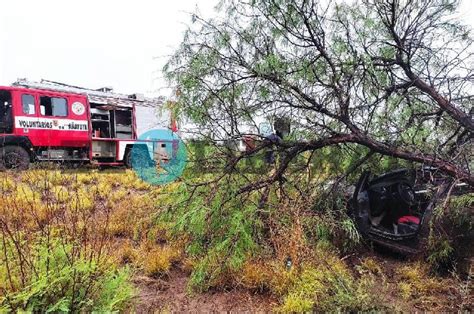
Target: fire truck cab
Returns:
[[49, 121]]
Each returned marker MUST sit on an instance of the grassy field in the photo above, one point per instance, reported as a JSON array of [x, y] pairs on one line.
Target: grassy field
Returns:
[[90, 240]]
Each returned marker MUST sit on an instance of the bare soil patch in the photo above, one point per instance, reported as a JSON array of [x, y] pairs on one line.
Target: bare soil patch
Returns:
[[171, 295]]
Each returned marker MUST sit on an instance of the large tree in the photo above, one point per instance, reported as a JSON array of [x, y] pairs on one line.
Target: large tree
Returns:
[[394, 76]]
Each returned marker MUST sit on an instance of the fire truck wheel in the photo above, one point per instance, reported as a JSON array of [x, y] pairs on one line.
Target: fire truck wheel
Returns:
[[14, 157], [128, 159], [140, 156]]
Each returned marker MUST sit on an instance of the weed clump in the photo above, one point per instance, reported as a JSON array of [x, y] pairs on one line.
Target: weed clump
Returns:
[[255, 275], [53, 283], [54, 247], [126, 253], [157, 261], [452, 234], [371, 266], [327, 284], [320, 283], [416, 283]]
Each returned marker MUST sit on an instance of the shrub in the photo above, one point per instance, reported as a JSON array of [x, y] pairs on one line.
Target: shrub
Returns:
[[451, 233], [116, 291], [330, 222], [54, 247], [220, 232], [327, 284], [55, 282]]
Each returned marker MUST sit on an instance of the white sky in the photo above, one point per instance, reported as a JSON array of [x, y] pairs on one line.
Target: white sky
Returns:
[[96, 43], [93, 43]]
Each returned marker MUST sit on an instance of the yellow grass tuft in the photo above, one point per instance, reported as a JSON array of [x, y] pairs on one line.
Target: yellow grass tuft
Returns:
[[296, 303], [371, 266], [157, 261], [415, 282], [126, 253], [255, 275]]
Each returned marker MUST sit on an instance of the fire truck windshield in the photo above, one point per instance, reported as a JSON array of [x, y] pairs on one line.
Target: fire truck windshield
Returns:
[[6, 119]]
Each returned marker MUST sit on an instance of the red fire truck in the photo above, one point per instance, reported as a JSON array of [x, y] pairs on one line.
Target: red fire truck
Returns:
[[50, 121]]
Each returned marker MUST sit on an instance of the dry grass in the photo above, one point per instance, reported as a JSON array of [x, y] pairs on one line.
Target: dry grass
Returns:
[[120, 201], [417, 285], [52, 223], [370, 265], [255, 275], [157, 261], [124, 210]]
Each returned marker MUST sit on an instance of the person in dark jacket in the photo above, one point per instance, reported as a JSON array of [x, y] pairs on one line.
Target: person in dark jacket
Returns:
[[274, 138]]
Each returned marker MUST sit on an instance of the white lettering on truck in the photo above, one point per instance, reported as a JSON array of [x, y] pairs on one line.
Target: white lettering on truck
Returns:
[[51, 124]]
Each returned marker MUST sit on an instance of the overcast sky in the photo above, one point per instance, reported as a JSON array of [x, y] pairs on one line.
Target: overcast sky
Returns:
[[93, 43]]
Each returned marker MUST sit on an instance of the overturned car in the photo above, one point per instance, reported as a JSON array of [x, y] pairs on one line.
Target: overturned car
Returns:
[[392, 209]]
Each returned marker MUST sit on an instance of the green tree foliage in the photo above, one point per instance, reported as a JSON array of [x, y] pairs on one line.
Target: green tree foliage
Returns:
[[366, 84], [392, 76]]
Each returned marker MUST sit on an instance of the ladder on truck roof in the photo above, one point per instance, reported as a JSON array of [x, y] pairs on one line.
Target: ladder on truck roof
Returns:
[[104, 95]]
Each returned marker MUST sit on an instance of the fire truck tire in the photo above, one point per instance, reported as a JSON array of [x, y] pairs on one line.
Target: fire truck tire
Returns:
[[128, 158], [14, 157], [141, 155]]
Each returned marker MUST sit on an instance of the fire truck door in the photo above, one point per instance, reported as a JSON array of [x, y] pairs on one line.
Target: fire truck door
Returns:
[[26, 117], [66, 120]]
